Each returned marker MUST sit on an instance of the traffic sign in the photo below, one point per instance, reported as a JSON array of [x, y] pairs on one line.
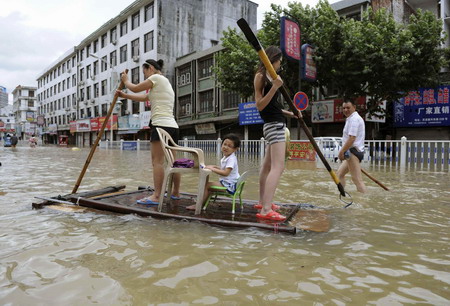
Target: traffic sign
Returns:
[[301, 101]]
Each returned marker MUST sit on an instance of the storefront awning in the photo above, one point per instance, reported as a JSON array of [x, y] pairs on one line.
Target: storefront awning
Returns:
[[127, 132]]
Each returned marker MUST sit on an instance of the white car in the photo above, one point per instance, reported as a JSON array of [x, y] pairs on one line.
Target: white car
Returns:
[[329, 146]]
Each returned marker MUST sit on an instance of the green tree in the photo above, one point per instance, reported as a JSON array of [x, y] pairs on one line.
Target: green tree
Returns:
[[236, 64]]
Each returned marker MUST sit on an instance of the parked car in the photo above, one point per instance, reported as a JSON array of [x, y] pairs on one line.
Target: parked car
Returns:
[[329, 146]]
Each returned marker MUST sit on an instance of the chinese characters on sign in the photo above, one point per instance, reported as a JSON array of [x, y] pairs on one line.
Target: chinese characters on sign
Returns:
[[290, 39], [424, 107], [309, 70], [249, 114], [302, 150]]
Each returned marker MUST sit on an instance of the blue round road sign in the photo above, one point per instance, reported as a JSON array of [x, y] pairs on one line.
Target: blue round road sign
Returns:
[[301, 101]]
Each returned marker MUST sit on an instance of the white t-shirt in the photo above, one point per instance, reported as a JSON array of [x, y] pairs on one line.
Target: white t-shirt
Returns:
[[354, 126], [230, 162], [162, 99]]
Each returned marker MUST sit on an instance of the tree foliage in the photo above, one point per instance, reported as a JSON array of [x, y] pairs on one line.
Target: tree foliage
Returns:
[[374, 56]]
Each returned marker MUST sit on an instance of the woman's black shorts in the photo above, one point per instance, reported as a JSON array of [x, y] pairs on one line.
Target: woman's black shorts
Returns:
[[173, 132]]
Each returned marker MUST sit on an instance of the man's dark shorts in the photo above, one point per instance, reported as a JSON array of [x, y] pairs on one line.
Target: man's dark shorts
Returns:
[[173, 132], [358, 154]]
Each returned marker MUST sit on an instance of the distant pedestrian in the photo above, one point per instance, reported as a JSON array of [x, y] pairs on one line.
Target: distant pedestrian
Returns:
[[32, 141], [14, 140]]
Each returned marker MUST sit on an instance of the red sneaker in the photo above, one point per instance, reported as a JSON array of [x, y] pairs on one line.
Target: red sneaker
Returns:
[[272, 215], [259, 206]]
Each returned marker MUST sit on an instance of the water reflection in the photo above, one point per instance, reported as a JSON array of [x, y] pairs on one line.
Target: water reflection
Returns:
[[387, 248]]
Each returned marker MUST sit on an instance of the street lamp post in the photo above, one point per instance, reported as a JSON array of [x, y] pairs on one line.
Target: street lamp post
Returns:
[[112, 81]]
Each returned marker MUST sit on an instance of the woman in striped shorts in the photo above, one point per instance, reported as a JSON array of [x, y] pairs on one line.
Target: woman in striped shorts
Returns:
[[273, 114]]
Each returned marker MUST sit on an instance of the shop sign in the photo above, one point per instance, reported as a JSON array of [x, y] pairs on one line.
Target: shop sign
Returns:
[[423, 108]]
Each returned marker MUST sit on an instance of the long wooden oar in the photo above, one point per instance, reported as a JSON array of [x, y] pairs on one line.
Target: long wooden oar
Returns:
[[99, 136], [374, 179], [242, 23]]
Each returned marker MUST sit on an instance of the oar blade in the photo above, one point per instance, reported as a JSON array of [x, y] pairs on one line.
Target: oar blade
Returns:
[[251, 37]]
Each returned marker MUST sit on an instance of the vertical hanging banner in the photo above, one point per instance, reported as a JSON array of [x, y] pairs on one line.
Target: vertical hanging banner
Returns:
[[290, 39], [309, 70]]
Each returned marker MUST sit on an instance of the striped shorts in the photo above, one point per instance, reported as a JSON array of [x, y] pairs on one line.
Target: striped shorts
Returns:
[[274, 132]]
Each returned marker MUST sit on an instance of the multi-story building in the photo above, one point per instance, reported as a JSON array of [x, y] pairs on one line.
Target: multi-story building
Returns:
[[25, 110], [7, 121], [204, 110], [3, 97], [76, 91]]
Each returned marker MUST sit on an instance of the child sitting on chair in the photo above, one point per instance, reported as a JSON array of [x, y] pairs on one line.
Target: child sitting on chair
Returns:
[[228, 170]]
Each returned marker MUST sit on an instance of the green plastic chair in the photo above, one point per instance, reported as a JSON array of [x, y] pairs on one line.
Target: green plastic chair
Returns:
[[215, 191]]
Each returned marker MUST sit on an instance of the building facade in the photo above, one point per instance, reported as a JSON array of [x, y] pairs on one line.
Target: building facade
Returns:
[[3, 97], [204, 110], [75, 92], [25, 111]]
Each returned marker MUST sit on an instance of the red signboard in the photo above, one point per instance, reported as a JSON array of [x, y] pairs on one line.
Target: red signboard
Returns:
[[338, 113], [95, 126], [290, 38], [302, 150], [108, 124]]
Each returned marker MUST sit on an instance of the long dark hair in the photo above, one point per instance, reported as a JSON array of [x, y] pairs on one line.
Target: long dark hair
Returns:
[[274, 54], [158, 65]]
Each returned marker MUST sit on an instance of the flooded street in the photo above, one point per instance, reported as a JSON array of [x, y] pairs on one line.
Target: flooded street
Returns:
[[389, 248]]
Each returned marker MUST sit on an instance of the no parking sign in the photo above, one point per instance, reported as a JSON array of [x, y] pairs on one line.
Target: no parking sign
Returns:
[[301, 101]]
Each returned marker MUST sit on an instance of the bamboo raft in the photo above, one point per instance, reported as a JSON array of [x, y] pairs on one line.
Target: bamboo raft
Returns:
[[300, 216]]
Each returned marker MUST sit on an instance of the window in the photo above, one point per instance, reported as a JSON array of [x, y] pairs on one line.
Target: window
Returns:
[[113, 59], [148, 42], [96, 114], [104, 63], [205, 68], [95, 90], [123, 53], [88, 71], [104, 109], [230, 99], [104, 87], [135, 75], [88, 51], [74, 100], [206, 101], [81, 55], [149, 12], [88, 92], [135, 106], [82, 94], [103, 39], [81, 74], [30, 103], [185, 106], [135, 21], [184, 76], [123, 28], [113, 35], [95, 46], [95, 65], [135, 47], [31, 93]]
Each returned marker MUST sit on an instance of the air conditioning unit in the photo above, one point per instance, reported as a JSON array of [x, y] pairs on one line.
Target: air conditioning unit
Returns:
[[69, 70], [93, 77], [79, 64], [92, 101], [81, 83], [135, 58], [114, 41], [127, 112]]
